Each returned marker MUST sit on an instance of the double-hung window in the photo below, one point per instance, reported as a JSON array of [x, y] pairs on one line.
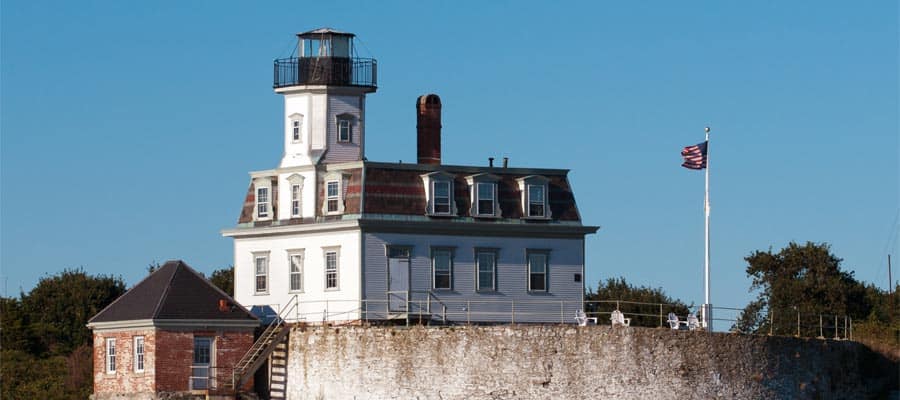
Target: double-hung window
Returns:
[[536, 200], [138, 354], [296, 127], [537, 271], [486, 268], [345, 130], [333, 196], [262, 202], [296, 273], [331, 269], [295, 201], [485, 195], [261, 262], [295, 130], [110, 355], [442, 197], [442, 268]]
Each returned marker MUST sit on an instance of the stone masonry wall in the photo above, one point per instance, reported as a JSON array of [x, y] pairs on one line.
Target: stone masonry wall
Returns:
[[567, 362], [125, 379]]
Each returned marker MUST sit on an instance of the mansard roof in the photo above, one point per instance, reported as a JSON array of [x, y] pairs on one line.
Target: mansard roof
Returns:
[[173, 292]]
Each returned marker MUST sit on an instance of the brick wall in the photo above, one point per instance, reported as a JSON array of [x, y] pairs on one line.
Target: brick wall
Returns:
[[168, 356], [125, 379], [567, 362]]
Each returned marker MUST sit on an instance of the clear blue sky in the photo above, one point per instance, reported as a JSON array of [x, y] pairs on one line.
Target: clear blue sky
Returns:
[[128, 128]]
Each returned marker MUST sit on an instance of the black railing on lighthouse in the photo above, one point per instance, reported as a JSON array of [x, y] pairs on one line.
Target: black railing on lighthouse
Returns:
[[340, 71]]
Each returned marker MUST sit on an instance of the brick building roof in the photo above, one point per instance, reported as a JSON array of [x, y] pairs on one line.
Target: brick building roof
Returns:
[[173, 292]]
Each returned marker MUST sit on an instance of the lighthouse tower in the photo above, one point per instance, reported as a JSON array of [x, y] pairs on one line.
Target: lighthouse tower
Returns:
[[324, 91]]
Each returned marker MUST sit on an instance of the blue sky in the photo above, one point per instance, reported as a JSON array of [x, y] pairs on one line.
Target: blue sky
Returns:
[[128, 128]]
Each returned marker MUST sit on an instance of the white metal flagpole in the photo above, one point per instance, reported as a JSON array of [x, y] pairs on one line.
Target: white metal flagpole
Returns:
[[707, 307]]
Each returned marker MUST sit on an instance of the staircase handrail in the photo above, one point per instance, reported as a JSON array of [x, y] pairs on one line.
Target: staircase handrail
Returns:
[[258, 346]]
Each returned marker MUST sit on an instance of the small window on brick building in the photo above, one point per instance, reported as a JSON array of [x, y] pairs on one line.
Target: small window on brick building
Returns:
[[110, 355], [138, 354]]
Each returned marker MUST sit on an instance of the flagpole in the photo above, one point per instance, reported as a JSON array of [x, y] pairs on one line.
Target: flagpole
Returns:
[[707, 307]]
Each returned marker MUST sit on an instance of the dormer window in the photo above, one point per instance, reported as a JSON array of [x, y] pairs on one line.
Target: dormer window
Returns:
[[333, 196], [262, 202], [485, 205], [536, 200], [295, 187], [295, 201], [439, 192], [345, 129], [295, 129], [484, 192], [535, 197], [441, 197]]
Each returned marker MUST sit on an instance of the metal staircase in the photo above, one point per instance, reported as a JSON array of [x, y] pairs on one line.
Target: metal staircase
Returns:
[[268, 341]]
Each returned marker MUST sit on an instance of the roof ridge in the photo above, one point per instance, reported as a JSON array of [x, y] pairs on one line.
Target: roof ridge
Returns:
[[165, 292]]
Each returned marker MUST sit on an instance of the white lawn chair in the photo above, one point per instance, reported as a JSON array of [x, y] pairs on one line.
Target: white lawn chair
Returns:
[[673, 321], [692, 322], [617, 318], [582, 319]]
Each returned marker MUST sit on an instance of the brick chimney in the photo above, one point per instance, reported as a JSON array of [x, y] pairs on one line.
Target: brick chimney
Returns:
[[428, 128]]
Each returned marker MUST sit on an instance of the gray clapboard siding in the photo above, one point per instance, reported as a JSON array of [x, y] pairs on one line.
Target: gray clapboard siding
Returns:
[[343, 151], [463, 302]]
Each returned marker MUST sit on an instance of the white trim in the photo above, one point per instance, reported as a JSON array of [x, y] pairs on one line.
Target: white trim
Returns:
[[143, 353], [299, 228], [110, 358], [337, 267], [140, 324], [291, 254]]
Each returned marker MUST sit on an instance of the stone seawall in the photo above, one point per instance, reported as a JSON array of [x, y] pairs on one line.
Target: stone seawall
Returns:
[[567, 362]]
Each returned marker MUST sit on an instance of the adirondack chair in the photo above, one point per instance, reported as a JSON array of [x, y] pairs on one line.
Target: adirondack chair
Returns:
[[582, 319], [617, 318], [692, 322], [673, 321]]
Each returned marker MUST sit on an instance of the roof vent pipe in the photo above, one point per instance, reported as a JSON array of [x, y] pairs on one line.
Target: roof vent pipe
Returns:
[[491, 162], [428, 129]]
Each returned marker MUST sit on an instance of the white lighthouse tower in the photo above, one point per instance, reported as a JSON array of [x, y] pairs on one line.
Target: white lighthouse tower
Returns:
[[324, 91]]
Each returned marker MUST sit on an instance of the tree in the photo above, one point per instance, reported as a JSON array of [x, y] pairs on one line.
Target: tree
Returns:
[[643, 304], [800, 279], [224, 279], [60, 305]]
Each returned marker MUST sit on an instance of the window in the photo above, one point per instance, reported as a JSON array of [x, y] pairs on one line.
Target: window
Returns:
[[331, 269], [110, 355], [138, 354], [442, 265], [262, 273], [536, 200], [200, 369], [487, 270], [485, 199], [262, 202], [296, 273], [295, 200], [344, 130], [296, 121], [333, 196], [537, 272], [442, 197]]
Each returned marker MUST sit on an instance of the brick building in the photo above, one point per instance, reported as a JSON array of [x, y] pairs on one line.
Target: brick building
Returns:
[[174, 333]]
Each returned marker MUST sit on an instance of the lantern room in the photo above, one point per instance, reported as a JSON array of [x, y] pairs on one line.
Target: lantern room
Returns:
[[325, 57]]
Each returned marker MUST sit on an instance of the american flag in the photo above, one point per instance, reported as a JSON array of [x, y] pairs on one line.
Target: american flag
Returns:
[[694, 156]]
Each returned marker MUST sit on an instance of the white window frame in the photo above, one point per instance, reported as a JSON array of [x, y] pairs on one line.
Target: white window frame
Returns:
[[449, 197], [342, 123], [110, 355], [296, 196], [263, 205], [336, 198], [335, 271], [478, 267], [478, 187], [546, 269], [434, 269], [265, 273], [297, 128], [529, 201], [293, 254], [139, 353]]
